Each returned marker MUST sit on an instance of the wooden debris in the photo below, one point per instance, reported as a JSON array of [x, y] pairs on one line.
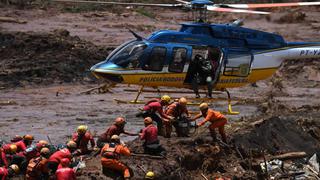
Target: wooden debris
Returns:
[[204, 177], [147, 156], [12, 20], [101, 89], [6, 103], [290, 155]]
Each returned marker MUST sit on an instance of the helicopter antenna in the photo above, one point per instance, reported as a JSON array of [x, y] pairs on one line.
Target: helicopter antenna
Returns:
[[139, 38]]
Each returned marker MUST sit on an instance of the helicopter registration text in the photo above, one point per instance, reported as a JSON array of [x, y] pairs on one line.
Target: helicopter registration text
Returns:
[[310, 52], [161, 79]]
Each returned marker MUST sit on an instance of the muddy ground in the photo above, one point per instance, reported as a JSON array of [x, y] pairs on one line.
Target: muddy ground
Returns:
[[44, 69]]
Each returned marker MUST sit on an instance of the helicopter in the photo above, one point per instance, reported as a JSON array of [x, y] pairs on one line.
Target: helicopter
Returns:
[[242, 55]]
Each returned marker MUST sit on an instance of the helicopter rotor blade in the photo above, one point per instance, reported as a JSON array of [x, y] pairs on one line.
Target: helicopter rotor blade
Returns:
[[268, 5], [219, 9], [184, 2], [118, 3]]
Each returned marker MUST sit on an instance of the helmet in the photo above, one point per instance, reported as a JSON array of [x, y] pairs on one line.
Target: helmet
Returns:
[[65, 162], [72, 144], [148, 120], [203, 106], [119, 121], [44, 151], [43, 142], [28, 137], [15, 168], [165, 98], [115, 137], [149, 175], [183, 101], [82, 129], [13, 148]]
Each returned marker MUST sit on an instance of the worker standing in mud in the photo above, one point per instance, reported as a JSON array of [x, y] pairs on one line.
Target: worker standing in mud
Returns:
[[24, 143], [37, 168], [82, 138], [156, 106], [149, 134], [179, 112], [216, 119], [110, 155], [116, 129]]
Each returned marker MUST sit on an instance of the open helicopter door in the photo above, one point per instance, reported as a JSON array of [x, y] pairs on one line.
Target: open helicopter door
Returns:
[[237, 62]]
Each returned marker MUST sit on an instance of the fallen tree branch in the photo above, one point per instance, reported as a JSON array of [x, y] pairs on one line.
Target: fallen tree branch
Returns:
[[12, 20], [290, 155], [147, 156], [204, 177]]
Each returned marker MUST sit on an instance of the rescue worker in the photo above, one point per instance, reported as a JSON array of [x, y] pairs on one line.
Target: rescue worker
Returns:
[[195, 71], [179, 112], [24, 143], [149, 134], [37, 168], [34, 150], [110, 155], [82, 138], [16, 138], [116, 129], [6, 173], [6, 154], [156, 106], [216, 119], [56, 157], [65, 172]]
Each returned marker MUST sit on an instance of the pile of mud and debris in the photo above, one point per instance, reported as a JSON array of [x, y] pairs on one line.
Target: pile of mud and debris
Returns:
[[46, 58], [273, 147]]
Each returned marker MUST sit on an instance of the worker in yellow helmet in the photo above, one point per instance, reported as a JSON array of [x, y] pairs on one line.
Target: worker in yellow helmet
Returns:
[[82, 138], [149, 175], [154, 109]]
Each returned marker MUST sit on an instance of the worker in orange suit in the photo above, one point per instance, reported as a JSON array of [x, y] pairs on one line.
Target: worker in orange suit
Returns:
[[110, 155], [216, 119]]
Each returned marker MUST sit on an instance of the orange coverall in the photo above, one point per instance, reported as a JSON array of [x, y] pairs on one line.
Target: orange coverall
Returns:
[[114, 163], [217, 120]]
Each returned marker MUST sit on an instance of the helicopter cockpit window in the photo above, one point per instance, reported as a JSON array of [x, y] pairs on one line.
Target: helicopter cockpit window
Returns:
[[238, 64], [129, 55], [156, 59], [179, 59]]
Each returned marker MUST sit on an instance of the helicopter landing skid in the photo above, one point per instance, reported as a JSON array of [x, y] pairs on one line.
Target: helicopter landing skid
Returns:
[[230, 112]]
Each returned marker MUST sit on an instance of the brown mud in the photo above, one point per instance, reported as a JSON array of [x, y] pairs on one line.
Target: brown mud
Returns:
[[43, 72]]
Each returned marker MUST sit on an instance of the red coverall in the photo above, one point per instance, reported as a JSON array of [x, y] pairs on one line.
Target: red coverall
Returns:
[[84, 141], [217, 120], [3, 173], [149, 134], [21, 146], [111, 161], [57, 156], [65, 173], [3, 158]]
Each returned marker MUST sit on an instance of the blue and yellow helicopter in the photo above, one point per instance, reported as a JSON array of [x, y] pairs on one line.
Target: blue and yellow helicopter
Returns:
[[242, 55]]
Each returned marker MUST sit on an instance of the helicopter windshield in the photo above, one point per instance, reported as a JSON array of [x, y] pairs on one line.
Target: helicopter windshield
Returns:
[[128, 56]]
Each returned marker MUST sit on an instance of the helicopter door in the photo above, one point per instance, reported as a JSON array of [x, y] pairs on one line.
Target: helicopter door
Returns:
[[156, 60], [178, 59], [237, 63]]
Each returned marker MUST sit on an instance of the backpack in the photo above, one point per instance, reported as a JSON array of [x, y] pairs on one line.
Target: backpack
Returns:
[[32, 169]]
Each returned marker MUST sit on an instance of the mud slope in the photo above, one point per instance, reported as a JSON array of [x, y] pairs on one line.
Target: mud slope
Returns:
[[45, 58]]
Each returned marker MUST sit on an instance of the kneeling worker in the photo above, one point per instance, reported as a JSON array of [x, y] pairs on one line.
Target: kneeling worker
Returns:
[[216, 119], [82, 138], [151, 144], [179, 112], [110, 155]]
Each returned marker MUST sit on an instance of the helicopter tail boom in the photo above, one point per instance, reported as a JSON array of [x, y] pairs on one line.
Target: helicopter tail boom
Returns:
[[303, 51]]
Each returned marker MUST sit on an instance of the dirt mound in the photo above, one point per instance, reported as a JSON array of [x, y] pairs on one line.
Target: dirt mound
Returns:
[[292, 17], [34, 58]]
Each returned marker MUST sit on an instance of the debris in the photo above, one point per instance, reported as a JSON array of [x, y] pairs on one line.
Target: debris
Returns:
[[101, 89], [314, 163], [147, 156], [290, 155], [12, 20], [7, 103], [204, 177]]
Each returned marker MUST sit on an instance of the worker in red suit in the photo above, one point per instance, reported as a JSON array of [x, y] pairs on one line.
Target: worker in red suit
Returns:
[[82, 138]]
